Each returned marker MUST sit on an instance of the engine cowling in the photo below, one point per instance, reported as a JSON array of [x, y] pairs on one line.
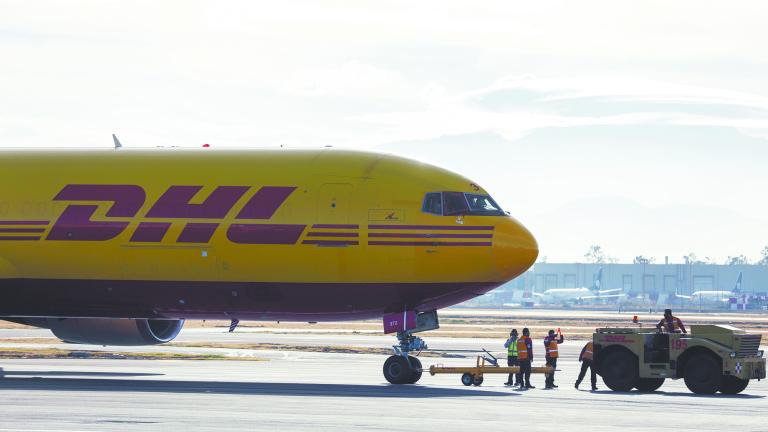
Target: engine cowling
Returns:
[[112, 331]]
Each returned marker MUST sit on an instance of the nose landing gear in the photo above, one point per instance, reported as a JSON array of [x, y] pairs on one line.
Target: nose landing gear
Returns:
[[402, 368]]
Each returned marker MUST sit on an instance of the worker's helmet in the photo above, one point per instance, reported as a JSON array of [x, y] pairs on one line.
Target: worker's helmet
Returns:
[[513, 332], [551, 332], [667, 311], [526, 332]]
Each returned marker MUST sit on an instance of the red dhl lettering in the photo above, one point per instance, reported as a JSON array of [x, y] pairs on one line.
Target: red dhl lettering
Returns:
[[618, 339], [75, 223]]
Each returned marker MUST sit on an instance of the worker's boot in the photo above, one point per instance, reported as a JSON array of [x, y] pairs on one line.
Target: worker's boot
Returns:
[[594, 388], [576, 385]]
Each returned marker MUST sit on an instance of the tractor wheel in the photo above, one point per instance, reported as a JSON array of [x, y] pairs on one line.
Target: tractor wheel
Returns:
[[477, 381], [467, 379], [647, 385], [702, 374], [397, 370], [415, 370], [732, 385], [619, 370]]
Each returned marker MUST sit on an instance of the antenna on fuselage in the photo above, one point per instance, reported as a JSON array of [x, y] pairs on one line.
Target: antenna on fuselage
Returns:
[[118, 146]]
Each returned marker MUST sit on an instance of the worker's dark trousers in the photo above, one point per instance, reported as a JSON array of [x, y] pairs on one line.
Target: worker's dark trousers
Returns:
[[587, 364], [524, 377], [550, 381], [512, 361]]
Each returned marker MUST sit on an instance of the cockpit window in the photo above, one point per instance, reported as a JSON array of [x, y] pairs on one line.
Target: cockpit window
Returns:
[[455, 203], [483, 204], [459, 203], [433, 203]]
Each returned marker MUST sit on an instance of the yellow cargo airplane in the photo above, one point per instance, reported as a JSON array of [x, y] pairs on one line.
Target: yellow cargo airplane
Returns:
[[120, 247]]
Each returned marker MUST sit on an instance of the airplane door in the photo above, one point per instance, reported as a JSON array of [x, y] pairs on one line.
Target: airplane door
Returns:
[[333, 204]]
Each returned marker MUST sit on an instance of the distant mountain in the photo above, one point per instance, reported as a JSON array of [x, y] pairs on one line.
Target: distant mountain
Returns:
[[651, 190]]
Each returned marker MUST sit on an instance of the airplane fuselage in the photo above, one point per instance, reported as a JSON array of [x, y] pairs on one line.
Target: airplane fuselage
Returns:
[[285, 235]]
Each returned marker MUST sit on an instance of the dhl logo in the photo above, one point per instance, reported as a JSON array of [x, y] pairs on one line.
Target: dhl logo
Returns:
[[76, 222]]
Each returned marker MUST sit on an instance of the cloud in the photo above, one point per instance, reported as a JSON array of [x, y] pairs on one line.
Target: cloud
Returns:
[[517, 105]]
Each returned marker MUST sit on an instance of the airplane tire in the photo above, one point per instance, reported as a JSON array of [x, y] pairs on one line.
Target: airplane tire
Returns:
[[619, 370], [702, 374], [731, 385], [647, 385], [467, 379], [416, 370], [397, 370]]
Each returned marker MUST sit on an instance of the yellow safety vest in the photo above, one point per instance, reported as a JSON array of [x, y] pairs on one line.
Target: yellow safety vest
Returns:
[[512, 349]]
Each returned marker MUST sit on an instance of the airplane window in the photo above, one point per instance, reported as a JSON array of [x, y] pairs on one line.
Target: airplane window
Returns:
[[483, 204], [455, 203], [433, 203]]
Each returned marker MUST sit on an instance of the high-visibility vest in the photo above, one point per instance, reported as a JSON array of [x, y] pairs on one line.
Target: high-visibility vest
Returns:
[[552, 348], [522, 349], [587, 352], [675, 324], [512, 349]]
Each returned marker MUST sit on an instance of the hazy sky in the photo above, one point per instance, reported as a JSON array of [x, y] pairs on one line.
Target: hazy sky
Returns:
[[639, 126]]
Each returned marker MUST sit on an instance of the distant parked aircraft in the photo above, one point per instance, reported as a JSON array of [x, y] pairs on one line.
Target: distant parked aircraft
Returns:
[[715, 295], [561, 295]]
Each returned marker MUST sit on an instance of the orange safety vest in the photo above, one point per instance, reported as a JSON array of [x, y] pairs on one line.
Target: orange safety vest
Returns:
[[552, 349], [522, 349], [587, 352]]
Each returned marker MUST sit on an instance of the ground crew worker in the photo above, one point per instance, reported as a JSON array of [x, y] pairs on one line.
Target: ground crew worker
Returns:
[[525, 357], [671, 324], [585, 358], [550, 345], [511, 346]]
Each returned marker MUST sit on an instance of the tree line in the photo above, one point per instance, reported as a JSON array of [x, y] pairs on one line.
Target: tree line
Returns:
[[596, 255]]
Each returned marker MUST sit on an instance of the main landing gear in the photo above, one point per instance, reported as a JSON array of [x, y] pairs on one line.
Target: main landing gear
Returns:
[[403, 368]]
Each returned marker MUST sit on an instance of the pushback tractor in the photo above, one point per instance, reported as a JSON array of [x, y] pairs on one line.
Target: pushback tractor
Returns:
[[712, 358]]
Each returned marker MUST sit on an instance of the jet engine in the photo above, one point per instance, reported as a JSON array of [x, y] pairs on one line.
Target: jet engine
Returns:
[[110, 331]]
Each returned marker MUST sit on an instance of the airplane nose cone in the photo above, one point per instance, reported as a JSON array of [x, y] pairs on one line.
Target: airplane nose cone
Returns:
[[514, 249]]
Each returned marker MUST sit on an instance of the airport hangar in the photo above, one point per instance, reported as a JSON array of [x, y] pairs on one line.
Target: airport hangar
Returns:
[[653, 283]]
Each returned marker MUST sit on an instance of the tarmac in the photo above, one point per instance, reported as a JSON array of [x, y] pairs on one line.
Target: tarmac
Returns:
[[310, 391]]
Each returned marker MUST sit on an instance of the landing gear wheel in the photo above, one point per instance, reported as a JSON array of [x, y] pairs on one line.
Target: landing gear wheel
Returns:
[[647, 385], [467, 379], [416, 370], [731, 385], [477, 381], [703, 374], [397, 370], [619, 370]]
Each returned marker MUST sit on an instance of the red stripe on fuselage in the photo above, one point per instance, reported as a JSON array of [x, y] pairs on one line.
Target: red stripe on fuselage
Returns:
[[331, 242], [411, 243], [431, 227], [332, 234], [22, 230], [336, 226], [420, 235]]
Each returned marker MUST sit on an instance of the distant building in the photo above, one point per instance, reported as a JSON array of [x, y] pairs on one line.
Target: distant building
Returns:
[[653, 283]]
